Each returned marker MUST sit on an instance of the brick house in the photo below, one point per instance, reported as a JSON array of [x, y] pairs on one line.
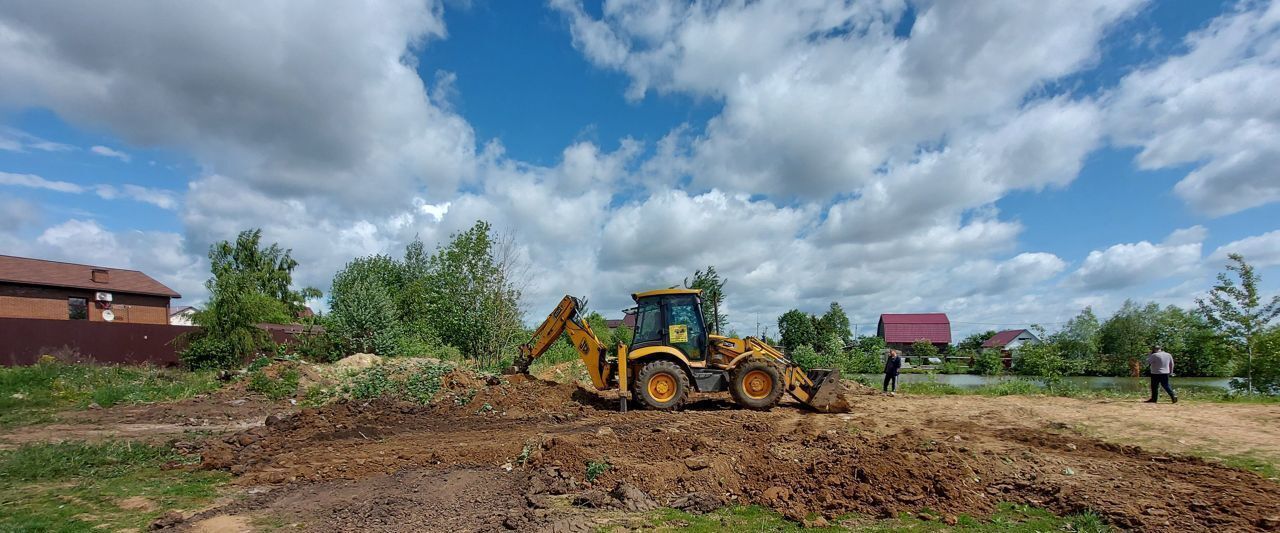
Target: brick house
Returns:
[[35, 288]]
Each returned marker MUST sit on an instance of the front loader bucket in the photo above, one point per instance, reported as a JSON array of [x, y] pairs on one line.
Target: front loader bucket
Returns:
[[824, 395]]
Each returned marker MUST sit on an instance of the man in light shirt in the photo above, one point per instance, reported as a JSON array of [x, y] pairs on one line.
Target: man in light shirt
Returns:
[[1161, 364]]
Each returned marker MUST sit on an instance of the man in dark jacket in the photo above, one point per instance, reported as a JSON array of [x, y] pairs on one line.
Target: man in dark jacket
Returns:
[[892, 365]]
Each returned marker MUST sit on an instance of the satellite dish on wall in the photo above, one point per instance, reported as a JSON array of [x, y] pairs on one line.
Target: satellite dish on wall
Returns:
[[108, 315]]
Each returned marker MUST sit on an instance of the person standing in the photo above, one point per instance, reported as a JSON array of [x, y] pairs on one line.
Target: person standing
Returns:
[[892, 365], [1161, 367]]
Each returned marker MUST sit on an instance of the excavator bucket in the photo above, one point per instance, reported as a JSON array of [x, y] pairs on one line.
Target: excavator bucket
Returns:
[[824, 395]]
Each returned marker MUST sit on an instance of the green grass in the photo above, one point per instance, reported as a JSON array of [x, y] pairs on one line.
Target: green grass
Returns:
[[1026, 387], [31, 394], [1260, 466], [279, 387], [1008, 517], [76, 486]]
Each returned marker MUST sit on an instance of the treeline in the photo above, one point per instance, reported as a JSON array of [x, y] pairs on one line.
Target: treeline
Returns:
[[460, 301], [1230, 333]]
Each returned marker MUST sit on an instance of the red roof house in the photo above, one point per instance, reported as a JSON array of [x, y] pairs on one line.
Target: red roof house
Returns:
[[1010, 339], [901, 330]]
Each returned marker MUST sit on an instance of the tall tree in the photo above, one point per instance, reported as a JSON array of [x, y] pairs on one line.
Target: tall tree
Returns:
[[1079, 338], [795, 328], [251, 284], [1237, 310], [836, 322], [712, 296], [265, 270]]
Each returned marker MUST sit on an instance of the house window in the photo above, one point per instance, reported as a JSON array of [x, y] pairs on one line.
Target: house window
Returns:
[[77, 308]]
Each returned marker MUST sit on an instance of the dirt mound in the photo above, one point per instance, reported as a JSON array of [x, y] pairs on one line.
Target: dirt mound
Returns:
[[519, 396], [356, 361]]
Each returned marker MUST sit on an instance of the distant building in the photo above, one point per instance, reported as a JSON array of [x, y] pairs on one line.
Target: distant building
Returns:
[[627, 321], [900, 331], [52, 290], [181, 316], [1010, 339]]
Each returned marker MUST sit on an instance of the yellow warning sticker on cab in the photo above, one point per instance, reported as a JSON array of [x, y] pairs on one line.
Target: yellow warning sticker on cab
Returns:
[[678, 333]]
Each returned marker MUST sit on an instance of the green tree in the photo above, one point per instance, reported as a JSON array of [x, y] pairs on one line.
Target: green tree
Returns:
[[712, 297], [465, 297], [987, 363], [364, 316], [472, 298], [836, 322], [1044, 360], [923, 349], [975, 340], [1125, 339], [251, 284], [808, 358], [795, 329], [872, 344], [263, 270], [1237, 311], [1266, 362], [1080, 337]]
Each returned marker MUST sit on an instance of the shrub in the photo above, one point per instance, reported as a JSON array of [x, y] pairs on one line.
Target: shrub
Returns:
[[951, 367], [418, 382], [805, 356], [987, 363], [596, 469], [923, 349], [282, 386]]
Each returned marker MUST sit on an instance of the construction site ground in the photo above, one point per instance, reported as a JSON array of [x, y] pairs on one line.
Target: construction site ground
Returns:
[[527, 454]]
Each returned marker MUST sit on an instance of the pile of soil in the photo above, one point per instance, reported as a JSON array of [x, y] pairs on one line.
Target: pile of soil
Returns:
[[537, 439]]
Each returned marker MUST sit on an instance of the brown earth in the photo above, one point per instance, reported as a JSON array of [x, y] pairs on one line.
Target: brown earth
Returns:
[[516, 456], [226, 410]]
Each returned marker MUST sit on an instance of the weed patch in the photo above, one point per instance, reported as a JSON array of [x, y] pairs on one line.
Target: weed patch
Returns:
[[417, 381], [77, 486], [30, 394]]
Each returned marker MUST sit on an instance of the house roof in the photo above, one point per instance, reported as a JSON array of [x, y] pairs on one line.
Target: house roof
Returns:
[[29, 271], [1002, 338], [627, 320], [911, 327], [183, 309]]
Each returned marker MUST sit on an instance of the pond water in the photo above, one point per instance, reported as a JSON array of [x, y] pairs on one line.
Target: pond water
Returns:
[[1117, 384]]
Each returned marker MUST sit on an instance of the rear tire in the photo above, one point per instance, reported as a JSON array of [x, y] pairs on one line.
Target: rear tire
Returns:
[[757, 384], [661, 385]]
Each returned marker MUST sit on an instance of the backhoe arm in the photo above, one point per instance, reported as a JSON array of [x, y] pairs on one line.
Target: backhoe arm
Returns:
[[567, 319]]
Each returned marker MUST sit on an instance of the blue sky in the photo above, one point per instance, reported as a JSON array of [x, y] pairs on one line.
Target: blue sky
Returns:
[[1005, 163]]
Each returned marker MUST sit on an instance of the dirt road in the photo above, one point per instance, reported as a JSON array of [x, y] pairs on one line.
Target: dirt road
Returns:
[[519, 456]]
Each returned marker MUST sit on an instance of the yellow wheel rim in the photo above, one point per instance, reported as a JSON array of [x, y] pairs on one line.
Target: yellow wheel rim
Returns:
[[662, 387], [757, 384]]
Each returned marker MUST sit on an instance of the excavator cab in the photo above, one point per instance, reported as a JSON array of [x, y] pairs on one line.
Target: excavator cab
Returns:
[[672, 318]]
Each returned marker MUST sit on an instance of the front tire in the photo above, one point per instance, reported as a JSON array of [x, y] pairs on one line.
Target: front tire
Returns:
[[661, 385], [757, 384]]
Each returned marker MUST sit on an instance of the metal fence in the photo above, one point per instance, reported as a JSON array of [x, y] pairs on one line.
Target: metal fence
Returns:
[[24, 340]]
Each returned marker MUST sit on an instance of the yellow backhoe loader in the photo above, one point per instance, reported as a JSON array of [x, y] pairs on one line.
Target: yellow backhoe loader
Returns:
[[672, 354]]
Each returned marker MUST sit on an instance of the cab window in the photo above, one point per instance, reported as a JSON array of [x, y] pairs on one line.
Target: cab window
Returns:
[[683, 310], [648, 324]]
